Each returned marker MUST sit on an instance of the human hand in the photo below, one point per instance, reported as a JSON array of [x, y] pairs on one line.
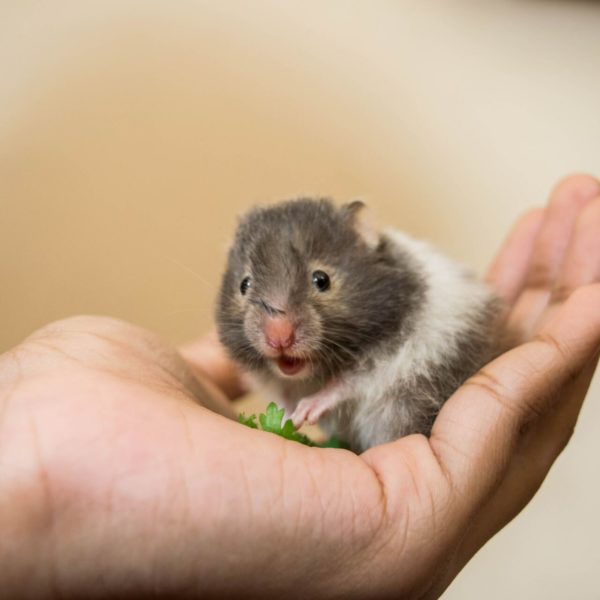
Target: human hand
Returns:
[[116, 479]]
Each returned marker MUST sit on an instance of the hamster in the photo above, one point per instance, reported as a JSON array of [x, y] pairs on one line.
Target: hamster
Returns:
[[365, 330]]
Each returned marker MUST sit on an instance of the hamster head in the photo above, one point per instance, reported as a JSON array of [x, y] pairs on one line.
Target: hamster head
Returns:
[[309, 288]]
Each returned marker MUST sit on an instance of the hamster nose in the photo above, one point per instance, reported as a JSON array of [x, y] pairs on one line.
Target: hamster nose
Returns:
[[279, 333]]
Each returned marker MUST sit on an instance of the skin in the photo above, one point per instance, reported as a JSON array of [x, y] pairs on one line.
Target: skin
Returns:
[[121, 475]]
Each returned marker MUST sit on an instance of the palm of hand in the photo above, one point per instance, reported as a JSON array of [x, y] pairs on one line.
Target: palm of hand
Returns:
[[150, 491]]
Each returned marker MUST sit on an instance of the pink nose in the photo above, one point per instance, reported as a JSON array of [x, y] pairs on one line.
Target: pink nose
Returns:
[[279, 333]]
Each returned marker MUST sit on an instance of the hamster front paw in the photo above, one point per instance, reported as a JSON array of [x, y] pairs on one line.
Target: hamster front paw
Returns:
[[312, 408]]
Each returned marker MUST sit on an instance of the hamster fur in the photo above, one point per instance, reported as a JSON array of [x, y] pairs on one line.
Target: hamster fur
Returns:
[[366, 330]]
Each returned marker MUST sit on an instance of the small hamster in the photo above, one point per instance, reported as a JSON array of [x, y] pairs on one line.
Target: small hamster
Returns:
[[361, 328]]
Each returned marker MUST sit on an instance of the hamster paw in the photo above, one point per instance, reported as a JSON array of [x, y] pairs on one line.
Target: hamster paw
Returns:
[[312, 408], [307, 410]]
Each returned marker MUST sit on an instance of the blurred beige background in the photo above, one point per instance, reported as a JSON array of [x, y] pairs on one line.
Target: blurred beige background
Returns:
[[132, 133]]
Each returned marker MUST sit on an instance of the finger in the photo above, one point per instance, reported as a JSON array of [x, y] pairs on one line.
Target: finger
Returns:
[[566, 202], [508, 272], [581, 267], [526, 473], [551, 243], [582, 262], [208, 357], [544, 441], [537, 452], [479, 427]]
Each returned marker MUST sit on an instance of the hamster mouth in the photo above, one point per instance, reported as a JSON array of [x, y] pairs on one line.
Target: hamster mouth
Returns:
[[289, 365]]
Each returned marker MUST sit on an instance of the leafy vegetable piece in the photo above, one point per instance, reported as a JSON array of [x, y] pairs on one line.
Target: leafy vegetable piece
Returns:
[[271, 421], [248, 421], [335, 443]]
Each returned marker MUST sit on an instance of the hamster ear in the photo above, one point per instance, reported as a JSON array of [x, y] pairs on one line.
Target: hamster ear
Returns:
[[363, 222]]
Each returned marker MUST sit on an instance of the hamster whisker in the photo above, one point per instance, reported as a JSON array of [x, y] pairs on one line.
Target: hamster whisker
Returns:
[[199, 311], [199, 277], [342, 331], [270, 310], [332, 342], [357, 343], [339, 345]]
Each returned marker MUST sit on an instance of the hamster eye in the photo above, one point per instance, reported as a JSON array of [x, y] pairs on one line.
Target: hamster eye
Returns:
[[245, 285], [321, 281]]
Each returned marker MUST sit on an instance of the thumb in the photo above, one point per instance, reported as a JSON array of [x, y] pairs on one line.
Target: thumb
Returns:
[[208, 357]]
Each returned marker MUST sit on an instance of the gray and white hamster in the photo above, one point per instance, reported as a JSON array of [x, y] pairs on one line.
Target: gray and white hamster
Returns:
[[367, 331]]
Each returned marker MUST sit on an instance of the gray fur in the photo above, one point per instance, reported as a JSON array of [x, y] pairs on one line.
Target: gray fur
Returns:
[[411, 404], [387, 336], [275, 246]]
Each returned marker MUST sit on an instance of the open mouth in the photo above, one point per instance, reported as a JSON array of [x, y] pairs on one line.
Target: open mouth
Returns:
[[289, 365]]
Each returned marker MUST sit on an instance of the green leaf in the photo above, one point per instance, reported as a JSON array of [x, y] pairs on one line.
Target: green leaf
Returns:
[[271, 421], [335, 443], [288, 431], [248, 421]]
